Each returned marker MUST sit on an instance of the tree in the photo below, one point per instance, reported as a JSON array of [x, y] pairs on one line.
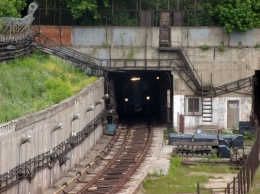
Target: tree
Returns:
[[233, 15], [79, 7], [11, 8]]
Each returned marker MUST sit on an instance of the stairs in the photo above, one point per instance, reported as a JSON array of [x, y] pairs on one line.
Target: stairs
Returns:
[[206, 92], [206, 109], [233, 86], [188, 73]]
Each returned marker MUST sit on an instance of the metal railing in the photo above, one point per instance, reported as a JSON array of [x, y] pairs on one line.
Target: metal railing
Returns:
[[120, 17], [12, 48], [86, 63]]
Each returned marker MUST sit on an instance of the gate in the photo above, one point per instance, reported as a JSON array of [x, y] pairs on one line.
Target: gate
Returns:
[[165, 35]]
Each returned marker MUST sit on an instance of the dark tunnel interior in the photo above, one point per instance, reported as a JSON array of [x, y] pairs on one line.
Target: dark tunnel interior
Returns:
[[256, 95], [141, 94]]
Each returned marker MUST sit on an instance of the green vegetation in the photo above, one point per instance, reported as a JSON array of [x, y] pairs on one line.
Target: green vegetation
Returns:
[[257, 45], [33, 83], [182, 179], [78, 8], [221, 48], [11, 8], [205, 47], [255, 189], [131, 53], [166, 133], [105, 44], [234, 15], [235, 130], [249, 136]]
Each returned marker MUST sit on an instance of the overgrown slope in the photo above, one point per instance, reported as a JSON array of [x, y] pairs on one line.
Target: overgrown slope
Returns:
[[33, 83]]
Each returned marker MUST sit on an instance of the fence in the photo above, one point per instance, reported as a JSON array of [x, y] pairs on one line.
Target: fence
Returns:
[[151, 18], [242, 183]]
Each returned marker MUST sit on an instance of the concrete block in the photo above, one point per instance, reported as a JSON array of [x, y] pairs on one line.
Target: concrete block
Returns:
[[223, 151], [204, 137], [179, 137], [250, 130], [224, 142], [235, 140], [238, 141]]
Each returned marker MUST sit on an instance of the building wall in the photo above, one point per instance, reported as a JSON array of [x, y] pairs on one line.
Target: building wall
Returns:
[[59, 34], [39, 125], [219, 112]]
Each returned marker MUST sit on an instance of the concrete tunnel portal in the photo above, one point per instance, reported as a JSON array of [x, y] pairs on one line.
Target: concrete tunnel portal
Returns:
[[141, 94]]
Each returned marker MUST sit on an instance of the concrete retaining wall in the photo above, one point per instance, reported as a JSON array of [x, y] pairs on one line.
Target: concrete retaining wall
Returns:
[[140, 36], [234, 63], [39, 126], [226, 66], [240, 60]]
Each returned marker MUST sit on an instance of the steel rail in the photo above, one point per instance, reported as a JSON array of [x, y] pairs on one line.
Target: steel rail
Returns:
[[99, 157], [136, 165], [108, 165], [125, 162]]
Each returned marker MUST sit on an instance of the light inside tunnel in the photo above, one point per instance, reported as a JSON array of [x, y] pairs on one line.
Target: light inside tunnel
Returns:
[[147, 97], [135, 78], [126, 99], [157, 77]]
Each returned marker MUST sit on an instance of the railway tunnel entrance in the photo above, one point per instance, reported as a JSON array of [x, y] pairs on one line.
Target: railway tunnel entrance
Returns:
[[142, 94], [256, 95]]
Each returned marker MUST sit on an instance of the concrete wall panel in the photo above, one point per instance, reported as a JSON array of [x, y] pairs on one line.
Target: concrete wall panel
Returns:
[[136, 36], [128, 37], [152, 37], [205, 36], [251, 38], [89, 36]]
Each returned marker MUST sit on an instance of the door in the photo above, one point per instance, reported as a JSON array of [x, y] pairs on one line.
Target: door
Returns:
[[182, 124], [232, 114], [177, 18], [146, 20]]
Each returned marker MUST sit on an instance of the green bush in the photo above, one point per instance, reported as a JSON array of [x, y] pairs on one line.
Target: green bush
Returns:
[[221, 48], [257, 45], [248, 136], [205, 47]]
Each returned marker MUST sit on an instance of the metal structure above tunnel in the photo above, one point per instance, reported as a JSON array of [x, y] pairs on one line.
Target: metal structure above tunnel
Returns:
[[180, 64]]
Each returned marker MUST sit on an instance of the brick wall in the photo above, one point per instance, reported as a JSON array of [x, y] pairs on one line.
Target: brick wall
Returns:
[[59, 34]]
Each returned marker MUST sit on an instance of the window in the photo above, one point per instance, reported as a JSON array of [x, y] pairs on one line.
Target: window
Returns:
[[193, 106]]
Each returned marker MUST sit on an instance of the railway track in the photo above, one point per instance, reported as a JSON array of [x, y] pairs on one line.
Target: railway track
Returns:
[[125, 158]]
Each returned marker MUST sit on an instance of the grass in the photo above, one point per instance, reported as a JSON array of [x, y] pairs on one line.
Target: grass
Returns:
[[33, 83], [180, 179], [255, 189]]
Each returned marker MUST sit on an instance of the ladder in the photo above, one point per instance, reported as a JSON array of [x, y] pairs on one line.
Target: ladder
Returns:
[[206, 96], [207, 109]]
